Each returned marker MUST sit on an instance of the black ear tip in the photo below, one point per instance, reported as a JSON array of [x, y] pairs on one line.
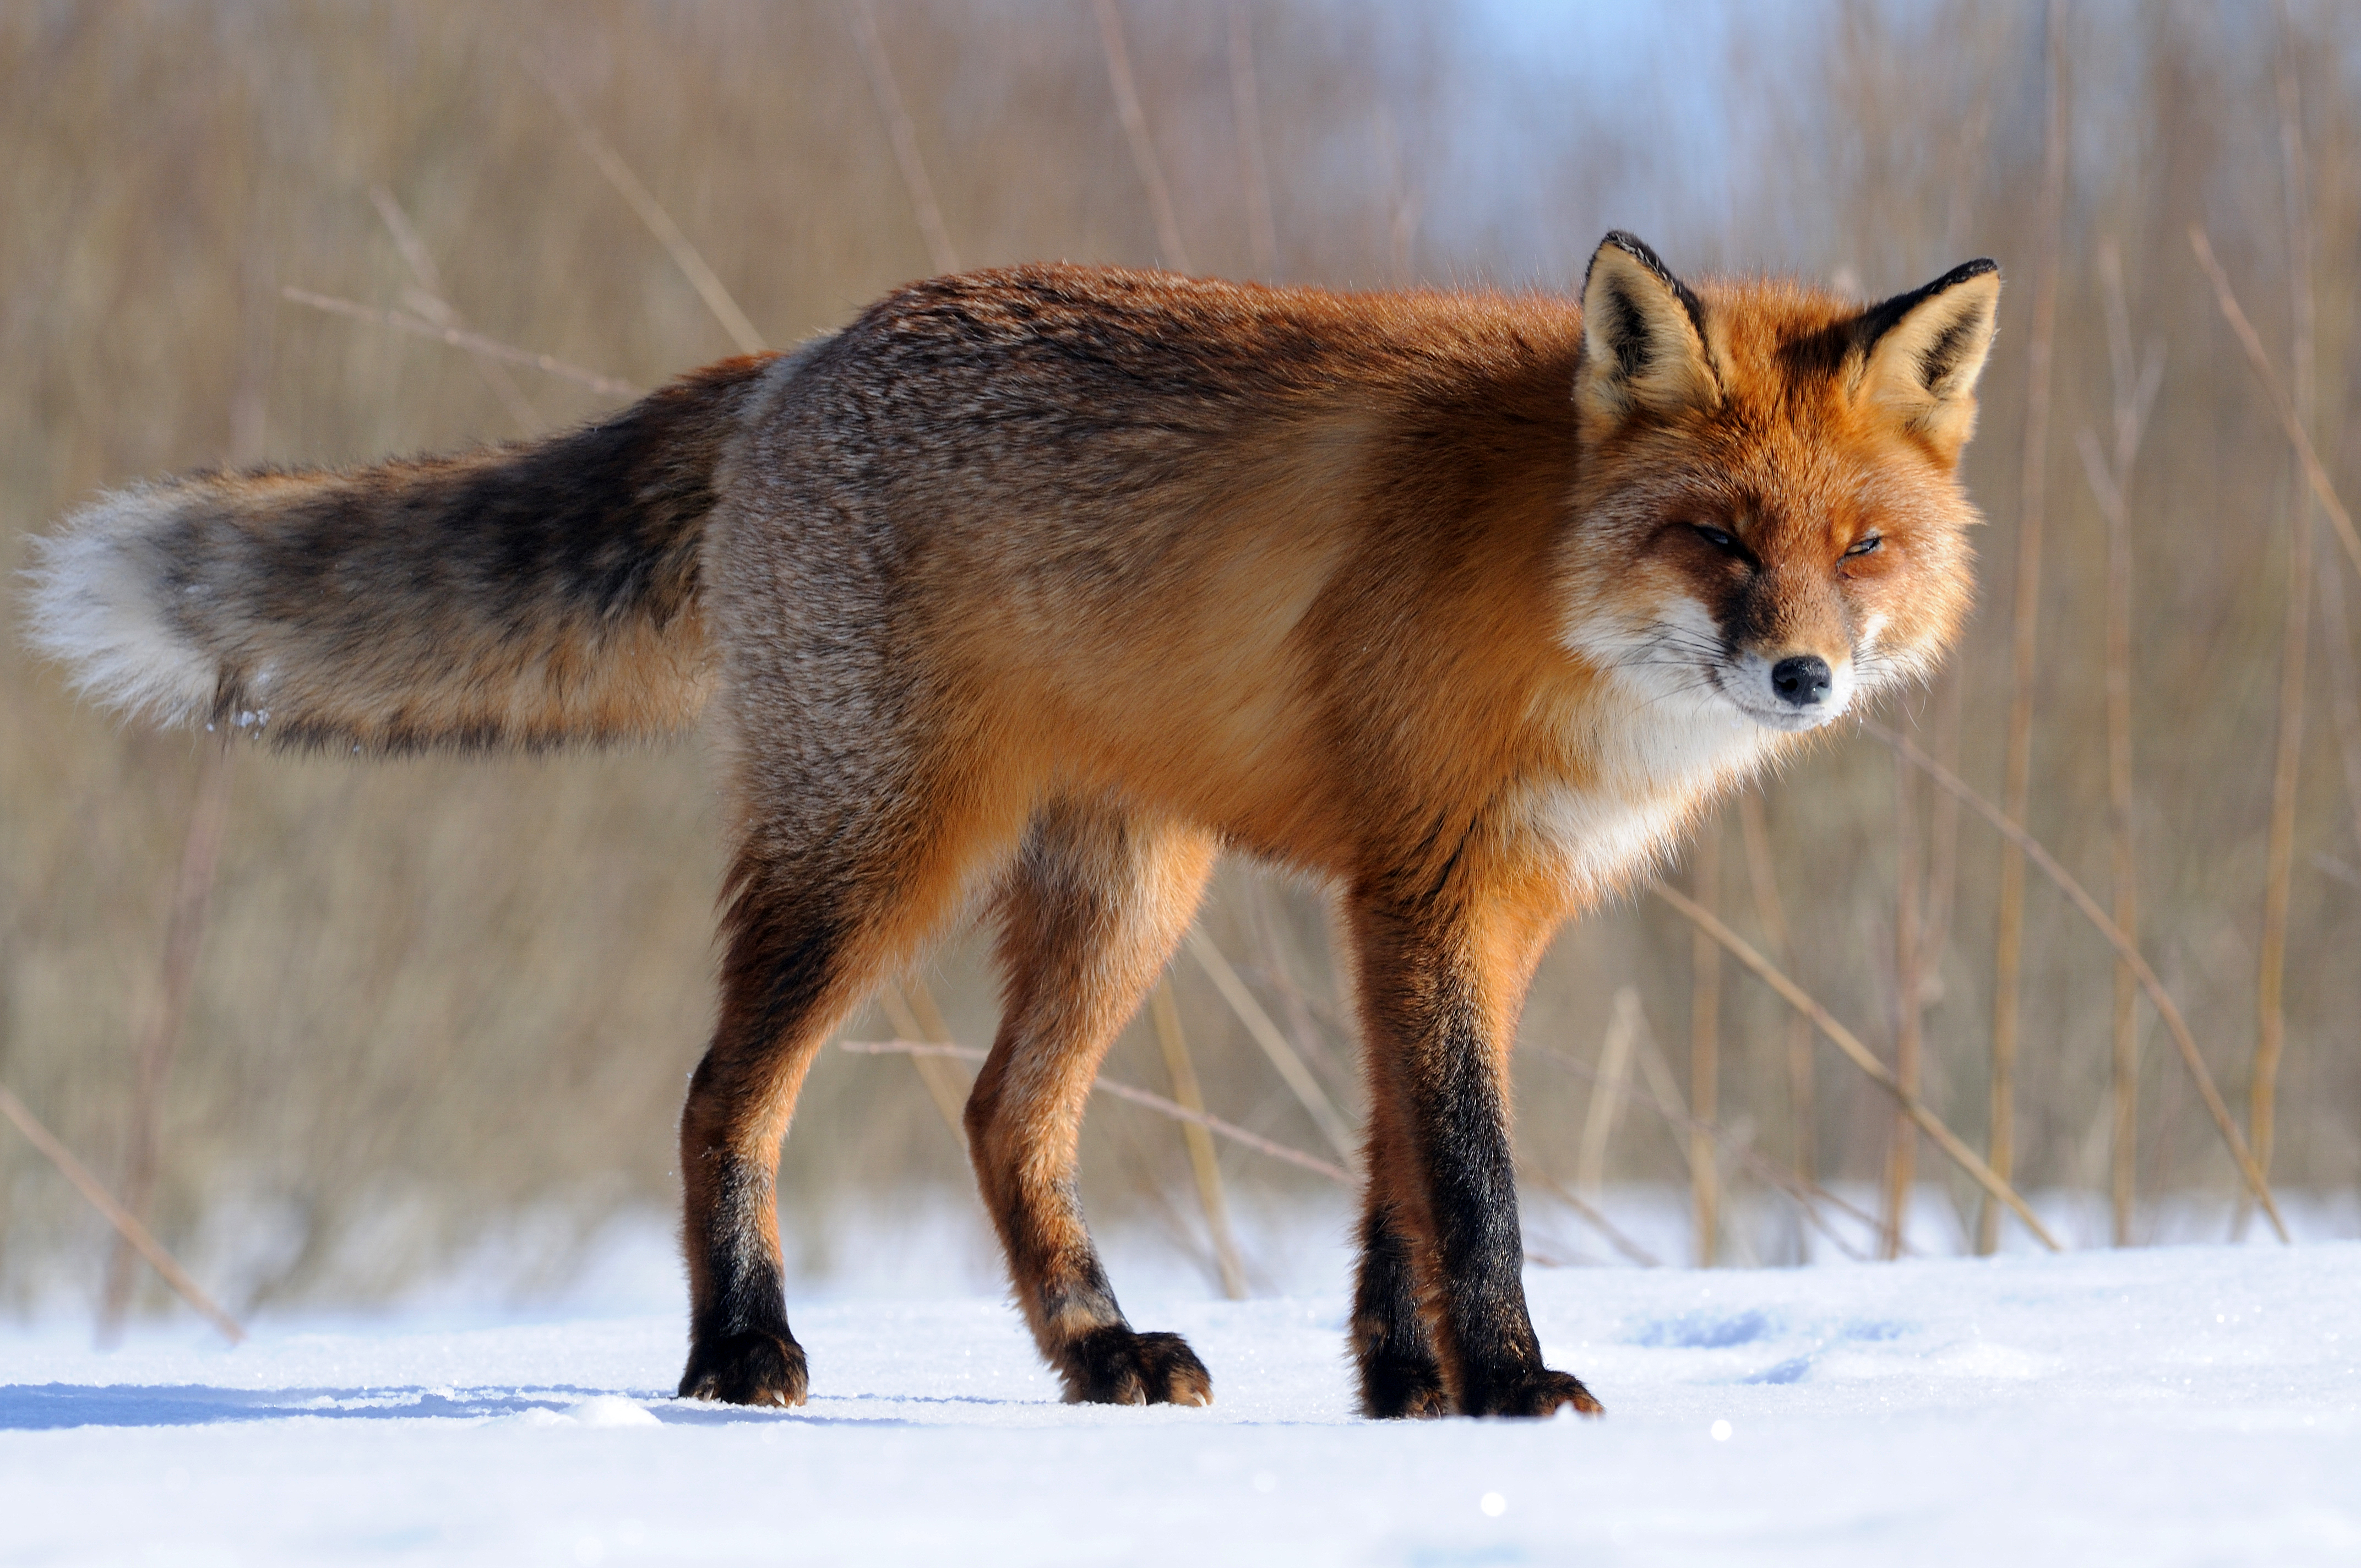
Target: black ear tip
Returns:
[[1633, 246], [1879, 319], [1641, 251]]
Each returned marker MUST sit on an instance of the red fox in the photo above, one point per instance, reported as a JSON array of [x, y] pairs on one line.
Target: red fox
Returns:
[[1031, 590]]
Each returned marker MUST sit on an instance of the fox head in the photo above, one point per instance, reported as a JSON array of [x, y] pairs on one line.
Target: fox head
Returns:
[[1770, 516]]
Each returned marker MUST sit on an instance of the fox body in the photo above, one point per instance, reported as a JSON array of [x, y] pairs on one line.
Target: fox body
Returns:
[[1030, 591]]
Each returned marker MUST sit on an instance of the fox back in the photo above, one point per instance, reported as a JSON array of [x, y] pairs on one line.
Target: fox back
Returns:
[[1326, 571]]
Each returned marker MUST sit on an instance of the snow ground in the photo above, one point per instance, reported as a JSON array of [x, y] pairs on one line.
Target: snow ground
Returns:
[[2176, 1404]]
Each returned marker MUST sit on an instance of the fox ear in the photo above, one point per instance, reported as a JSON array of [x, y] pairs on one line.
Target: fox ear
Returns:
[[1921, 353], [1643, 337]]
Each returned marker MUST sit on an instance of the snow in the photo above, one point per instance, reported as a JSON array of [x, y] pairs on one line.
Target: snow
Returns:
[[2161, 1406]]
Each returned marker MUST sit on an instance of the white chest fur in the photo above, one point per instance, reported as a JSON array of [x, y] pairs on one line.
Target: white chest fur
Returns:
[[1632, 782]]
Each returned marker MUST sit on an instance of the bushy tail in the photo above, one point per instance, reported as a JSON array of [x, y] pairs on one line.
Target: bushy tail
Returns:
[[518, 596]]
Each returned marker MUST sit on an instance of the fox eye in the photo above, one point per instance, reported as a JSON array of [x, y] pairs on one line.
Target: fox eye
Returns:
[[1865, 543], [1720, 539]]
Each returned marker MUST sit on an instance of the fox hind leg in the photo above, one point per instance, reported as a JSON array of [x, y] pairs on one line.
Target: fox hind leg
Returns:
[[1093, 907], [776, 986], [807, 940]]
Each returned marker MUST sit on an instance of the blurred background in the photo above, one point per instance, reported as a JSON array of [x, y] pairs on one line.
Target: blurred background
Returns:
[[336, 1028]]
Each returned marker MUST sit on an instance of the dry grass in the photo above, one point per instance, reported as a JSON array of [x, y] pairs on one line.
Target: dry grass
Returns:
[[453, 992], [2025, 613]]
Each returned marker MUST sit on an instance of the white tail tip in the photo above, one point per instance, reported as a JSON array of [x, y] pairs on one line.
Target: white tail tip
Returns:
[[97, 605]]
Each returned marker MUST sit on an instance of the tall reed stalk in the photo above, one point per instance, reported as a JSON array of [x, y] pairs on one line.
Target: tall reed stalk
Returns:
[[1901, 1159], [1771, 914], [899, 129], [1616, 1049], [2110, 477], [127, 1224], [431, 300], [2343, 689], [2024, 621], [1134, 129], [1246, 111], [1203, 1161], [2286, 763], [159, 1040], [1705, 1047]]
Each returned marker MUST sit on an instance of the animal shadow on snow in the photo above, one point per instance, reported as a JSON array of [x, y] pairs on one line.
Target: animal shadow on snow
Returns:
[[43, 1406]]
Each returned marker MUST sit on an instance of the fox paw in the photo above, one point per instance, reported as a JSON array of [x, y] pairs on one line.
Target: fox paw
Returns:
[[1539, 1392], [1402, 1388], [749, 1368], [1117, 1366]]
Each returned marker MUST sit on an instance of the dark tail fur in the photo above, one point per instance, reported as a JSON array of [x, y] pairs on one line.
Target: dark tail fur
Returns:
[[518, 596]]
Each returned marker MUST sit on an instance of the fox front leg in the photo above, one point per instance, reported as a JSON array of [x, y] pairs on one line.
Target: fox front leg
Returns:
[[1440, 991]]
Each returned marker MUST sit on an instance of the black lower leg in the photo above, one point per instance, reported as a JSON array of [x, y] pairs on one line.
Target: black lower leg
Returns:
[[1391, 1342], [740, 1349], [1433, 993], [1117, 1364], [1099, 1357], [1486, 1330], [784, 975]]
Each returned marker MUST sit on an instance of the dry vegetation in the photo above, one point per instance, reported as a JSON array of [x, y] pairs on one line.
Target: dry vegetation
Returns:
[[435, 995]]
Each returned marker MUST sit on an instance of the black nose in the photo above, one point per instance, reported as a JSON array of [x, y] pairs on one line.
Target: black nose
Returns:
[[1802, 680]]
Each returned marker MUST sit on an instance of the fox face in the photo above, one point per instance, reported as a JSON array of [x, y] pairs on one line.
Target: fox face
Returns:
[[1773, 527]]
